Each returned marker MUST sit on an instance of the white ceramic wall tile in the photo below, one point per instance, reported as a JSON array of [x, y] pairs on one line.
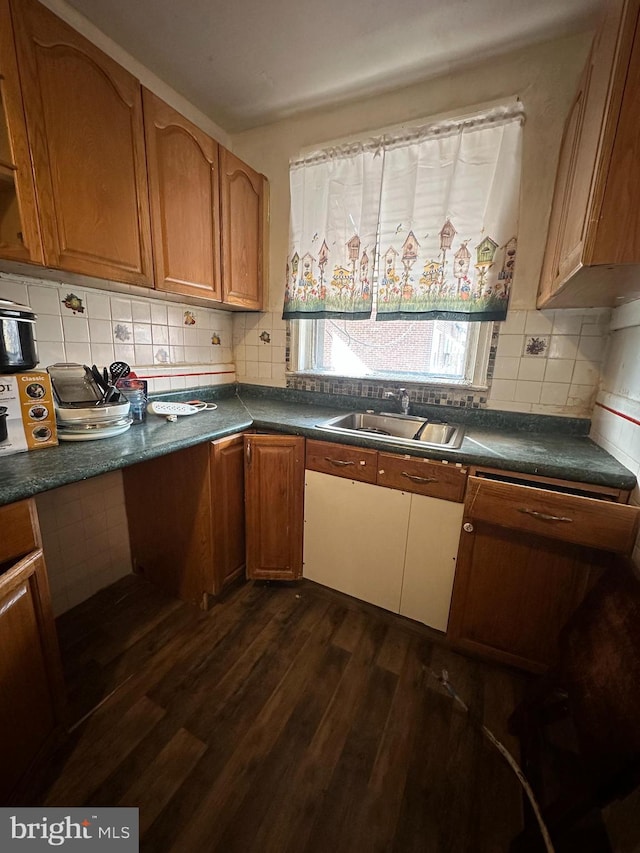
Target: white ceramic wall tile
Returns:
[[140, 312], [510, 346], [514, 324], [16, 291], [563, 346], [44, 300], [617, 428], [121, 311], [559, 370], [78, 353], [531, 369], [100, 331], [539, 322], [503, 389], [527, 392], [159, 314], [76, 329], [554, 393], [567, 323], [49, 328], [104, 327], [98, 306]]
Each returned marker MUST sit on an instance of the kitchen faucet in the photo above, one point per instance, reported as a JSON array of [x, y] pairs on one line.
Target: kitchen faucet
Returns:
[[402, 396]]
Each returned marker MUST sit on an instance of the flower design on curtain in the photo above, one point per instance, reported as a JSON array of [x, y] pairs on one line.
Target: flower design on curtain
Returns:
[[335, 201], [449, 219]]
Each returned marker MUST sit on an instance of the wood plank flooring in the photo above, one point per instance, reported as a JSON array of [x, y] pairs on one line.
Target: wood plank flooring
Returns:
[[287, 718]]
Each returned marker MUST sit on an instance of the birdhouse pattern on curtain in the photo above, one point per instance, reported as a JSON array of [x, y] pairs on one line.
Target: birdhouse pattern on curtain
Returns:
[[428, 221], [335, 202], [448, 223]]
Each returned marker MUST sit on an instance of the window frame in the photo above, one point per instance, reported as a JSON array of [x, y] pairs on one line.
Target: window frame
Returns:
[[303, 341]]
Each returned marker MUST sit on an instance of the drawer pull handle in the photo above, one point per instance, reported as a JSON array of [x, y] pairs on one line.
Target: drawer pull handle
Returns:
[[416, 479], [543, 515], [339, 463]]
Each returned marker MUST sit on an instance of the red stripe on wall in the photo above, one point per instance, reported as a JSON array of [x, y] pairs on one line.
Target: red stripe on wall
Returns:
[[199, 373], [619, 414]]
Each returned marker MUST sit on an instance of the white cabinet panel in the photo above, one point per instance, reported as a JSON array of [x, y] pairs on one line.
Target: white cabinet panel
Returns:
[[432, 545], [354, 538]]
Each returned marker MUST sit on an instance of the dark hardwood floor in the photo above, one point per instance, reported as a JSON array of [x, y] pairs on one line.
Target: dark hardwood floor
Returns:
[[287, 718]]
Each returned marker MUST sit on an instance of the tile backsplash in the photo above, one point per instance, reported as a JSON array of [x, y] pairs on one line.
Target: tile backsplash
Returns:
[[542, 362], [174, 346]]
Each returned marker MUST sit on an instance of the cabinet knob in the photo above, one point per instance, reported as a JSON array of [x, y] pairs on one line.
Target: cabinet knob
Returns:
[[467, 527]]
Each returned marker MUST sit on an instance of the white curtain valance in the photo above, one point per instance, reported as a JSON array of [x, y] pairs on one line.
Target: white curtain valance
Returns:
[[438, 204]]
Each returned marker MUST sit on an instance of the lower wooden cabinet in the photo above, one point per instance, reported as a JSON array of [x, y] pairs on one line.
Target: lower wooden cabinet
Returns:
[[274, 495], [186, 518], [32, 693], [527, 557]]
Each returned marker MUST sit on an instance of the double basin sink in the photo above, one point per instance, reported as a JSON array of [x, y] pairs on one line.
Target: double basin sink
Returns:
[[403, 429]]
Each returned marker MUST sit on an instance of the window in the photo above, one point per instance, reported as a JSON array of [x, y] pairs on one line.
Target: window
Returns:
[[438, 351], [402, 251]]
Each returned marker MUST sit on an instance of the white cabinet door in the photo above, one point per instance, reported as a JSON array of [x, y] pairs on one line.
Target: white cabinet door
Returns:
[[354, 538], [430, 563]]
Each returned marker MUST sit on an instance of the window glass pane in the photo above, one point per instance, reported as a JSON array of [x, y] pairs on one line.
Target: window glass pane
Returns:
[[415, 349]]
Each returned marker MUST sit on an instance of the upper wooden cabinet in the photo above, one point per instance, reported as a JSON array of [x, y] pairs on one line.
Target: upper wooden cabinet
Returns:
[[85, 126], [243, 226], [19, 226], [592, 256], [184, 193]]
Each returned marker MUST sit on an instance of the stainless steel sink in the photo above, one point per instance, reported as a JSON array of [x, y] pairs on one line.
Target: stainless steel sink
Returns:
[[405, 429]]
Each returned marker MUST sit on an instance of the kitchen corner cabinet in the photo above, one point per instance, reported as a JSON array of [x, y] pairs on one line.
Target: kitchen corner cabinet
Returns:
[[383, 527], [592, 256], [274, 496], [188, 535], [19, 226], [528, 554], [31, 698], [243, 229], [85, 127], [185, 198]]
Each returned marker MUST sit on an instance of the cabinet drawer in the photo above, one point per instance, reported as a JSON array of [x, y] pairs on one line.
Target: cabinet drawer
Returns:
[[421, 477], [19, 534], [354, 463], [583, 521]]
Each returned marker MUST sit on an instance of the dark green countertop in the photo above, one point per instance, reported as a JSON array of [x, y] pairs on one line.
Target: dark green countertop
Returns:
[[523, 449]]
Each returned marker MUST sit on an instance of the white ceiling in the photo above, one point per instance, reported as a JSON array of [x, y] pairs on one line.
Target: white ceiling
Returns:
[[250, 62]]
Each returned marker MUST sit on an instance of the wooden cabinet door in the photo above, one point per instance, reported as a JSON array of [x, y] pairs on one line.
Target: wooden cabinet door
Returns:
[[593, 217], [560, 244], [185, 199], [19, 225], [84, 119], [243, 218], [514, 591], [274, 498], [227, 510], [30, 671]]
